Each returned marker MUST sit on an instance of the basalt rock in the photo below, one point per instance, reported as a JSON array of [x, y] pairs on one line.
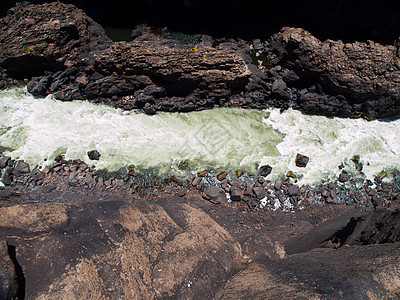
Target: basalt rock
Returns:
[[119, 249], [365, 75], [48, 37]]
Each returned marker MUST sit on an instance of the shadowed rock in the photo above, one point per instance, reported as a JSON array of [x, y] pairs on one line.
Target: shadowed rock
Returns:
[[36, 38], [367, 75]]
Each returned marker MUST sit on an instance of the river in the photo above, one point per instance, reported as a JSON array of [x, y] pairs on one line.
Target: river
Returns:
[[182, 144]]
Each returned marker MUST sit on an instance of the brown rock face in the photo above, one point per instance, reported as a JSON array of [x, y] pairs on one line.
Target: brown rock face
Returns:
[[366, 74], [8, 276], [109, 250], [179, 71], [34, 38]]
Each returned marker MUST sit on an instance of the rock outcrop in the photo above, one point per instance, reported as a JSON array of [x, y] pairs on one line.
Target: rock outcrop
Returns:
[[365, 76], [61, 50], [48, 37], [113, 249]]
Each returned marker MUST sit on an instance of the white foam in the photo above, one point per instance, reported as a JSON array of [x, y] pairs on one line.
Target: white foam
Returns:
[[37, 130]]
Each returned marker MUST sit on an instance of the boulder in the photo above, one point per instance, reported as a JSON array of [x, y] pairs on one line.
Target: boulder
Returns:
[[47, 37], [365, 74], [212, 193], [259, 192], [94, 155], [301, 160], [264, 170], [343, 176], [236, 193]]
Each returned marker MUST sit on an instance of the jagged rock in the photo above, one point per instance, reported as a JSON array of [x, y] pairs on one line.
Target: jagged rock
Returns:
[[343, 176], [21, 168], [264, 170], [7, 178], [259, 192], [3, 161], [52, 36], [94, 155], [366, 74]]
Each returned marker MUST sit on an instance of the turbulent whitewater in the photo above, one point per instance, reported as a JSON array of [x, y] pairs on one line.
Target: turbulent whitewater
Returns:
[[181, 144]]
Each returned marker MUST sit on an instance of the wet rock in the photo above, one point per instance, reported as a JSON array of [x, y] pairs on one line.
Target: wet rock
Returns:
[[7, 178], [3, 161], [279, 90], [21, 168], [221, 176], [224, 184], [344, 176], [8, 276], [236, 193], [94, 155], [196, 181], [264, 170], [212, 193], [202, 173], [325, 193], [301, 160]]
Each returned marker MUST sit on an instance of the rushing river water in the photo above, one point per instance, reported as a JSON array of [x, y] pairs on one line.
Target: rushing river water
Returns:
[[181, 144]]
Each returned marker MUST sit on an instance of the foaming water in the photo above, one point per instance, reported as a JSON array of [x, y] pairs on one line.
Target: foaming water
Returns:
[[181, 144]]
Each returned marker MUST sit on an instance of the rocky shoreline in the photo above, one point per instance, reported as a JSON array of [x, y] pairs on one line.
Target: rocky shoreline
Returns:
[[71, 233], [58, 49], [262, 194]]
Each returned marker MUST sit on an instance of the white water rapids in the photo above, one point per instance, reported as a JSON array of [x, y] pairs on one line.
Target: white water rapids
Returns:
[[181, 144]]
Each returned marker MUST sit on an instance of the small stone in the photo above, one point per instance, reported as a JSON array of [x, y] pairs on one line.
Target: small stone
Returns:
[[259, 192], [6, 178], [301, 160], [325, 193], [202, 173], [212, 193], [293, 190], [290, 174], [239, 173], [196, 181], [261, 180], [221, 176], [329, 200], [248, 191], [278, 185], [333, 194], [21, 168], [236, 193], [94, 155], [264, 170], [344, 176], [224, 183]]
